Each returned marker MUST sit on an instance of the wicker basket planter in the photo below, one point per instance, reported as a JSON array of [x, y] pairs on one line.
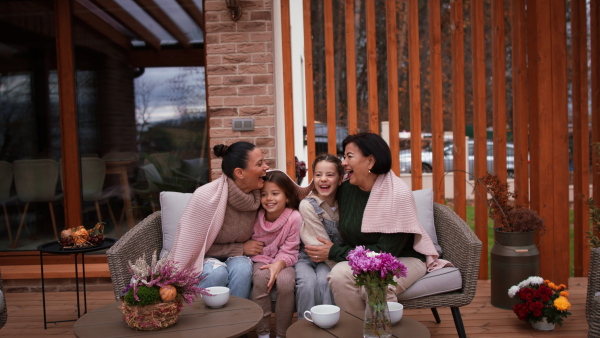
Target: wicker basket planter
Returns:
[[592, 308], [151, 317]]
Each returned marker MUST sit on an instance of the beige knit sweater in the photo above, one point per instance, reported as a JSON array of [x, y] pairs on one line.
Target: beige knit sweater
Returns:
[[217, 220]]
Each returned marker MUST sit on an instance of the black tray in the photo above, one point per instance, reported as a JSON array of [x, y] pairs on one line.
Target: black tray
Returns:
[[55, 247]]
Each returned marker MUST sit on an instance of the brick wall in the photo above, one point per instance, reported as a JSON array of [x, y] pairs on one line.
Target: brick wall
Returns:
[[240, 82]]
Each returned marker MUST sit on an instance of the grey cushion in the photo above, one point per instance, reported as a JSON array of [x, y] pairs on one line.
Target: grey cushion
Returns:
[[424, 202], [172, 206], [439, 281]]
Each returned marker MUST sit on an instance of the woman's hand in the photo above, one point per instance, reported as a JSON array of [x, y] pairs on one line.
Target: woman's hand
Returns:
[[253, 248], [319, 253], [275, 269]]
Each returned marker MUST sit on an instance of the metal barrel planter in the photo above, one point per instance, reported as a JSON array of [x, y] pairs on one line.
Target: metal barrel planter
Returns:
[[514, 258]]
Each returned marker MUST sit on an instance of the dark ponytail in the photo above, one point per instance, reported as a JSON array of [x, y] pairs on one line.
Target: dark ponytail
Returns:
[[234, 156]]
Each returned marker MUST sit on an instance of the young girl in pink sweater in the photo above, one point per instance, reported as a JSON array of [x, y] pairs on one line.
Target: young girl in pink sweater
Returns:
[[278, 227]]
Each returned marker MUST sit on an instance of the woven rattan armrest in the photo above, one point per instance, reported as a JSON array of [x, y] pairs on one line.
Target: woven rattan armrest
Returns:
[[4, 310], [144, 238], [460, 246]]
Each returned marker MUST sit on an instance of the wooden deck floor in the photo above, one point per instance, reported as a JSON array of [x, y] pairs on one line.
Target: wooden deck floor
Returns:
[[25, 318]]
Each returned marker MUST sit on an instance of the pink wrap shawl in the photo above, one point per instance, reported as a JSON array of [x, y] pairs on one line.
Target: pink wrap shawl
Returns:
[[391, 197]]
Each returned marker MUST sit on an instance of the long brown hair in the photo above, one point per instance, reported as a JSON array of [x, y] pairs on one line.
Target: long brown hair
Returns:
[[285, 183]]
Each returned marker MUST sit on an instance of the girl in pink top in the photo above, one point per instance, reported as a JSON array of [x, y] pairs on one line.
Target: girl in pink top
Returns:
[[278, 227]]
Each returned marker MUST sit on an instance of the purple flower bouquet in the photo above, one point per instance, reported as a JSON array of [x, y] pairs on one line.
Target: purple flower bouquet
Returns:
[[375, 271]]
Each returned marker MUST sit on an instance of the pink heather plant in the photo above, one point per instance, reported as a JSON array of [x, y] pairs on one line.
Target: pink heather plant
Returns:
[[164, 272]]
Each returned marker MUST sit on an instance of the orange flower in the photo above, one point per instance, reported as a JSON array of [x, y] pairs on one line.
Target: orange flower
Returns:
[[561, 287], [562, 304], [552, 286], [564, 293]]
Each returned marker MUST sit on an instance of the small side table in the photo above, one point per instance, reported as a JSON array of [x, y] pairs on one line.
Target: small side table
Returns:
[[55, 248]]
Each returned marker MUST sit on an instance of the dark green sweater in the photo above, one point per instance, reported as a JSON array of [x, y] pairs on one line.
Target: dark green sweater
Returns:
[[352, 202]]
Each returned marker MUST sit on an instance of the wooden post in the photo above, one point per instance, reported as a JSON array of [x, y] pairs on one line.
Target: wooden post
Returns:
[[68, 112]]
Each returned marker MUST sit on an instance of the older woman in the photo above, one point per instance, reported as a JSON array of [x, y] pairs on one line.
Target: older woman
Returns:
[[214, 232], [377, 210]]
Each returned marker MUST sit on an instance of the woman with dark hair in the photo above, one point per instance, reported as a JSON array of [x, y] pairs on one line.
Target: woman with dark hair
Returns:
[[214, 233], [377, 210]]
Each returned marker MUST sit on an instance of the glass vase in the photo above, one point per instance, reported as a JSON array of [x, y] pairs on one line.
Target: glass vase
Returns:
[[377, 316]]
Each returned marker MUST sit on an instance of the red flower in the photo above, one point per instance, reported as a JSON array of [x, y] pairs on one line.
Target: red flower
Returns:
[[544, 293], [526, 294]]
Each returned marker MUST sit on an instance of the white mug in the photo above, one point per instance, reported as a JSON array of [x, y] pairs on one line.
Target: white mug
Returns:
[[325, 316]]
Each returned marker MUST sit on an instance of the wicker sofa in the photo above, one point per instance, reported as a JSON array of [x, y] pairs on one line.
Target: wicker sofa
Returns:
[[592, 306], [460, 246], [3, 307]]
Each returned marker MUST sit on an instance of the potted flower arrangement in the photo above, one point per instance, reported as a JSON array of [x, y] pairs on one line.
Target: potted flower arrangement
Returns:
[[540, 302], [154, 298], [375, 271], [514, 241]]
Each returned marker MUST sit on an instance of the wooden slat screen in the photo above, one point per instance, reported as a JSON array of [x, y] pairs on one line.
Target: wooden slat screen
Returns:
[[286, 45], [531, 105]]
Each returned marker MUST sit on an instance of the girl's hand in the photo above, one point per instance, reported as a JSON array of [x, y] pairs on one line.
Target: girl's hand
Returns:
[[275, 269], [319, 253], [253, 248]]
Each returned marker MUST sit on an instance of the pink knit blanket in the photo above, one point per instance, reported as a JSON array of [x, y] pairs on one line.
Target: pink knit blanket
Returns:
[[391, 209], [197, 230]]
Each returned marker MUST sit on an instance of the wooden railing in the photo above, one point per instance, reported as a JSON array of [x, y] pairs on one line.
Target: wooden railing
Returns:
[[524, 58]]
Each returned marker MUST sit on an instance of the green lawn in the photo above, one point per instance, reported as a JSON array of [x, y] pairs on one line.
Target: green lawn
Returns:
[[471, 222]]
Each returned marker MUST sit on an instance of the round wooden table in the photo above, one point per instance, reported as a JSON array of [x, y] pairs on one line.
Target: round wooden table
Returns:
[[351, 325], [237, 317]]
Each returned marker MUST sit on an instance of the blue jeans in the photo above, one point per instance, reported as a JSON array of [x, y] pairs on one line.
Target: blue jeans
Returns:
[[235, 273]]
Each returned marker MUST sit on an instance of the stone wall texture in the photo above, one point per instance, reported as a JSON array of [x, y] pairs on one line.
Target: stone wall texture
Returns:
[[239, 76]]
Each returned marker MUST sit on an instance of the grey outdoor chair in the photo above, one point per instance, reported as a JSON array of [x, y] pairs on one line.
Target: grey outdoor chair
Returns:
[[460, 246], [592, 304], [459, 243]]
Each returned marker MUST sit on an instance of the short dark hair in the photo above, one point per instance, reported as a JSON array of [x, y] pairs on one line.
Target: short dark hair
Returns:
[[286, 184], [372, 144], [234, 156], [332, 159]]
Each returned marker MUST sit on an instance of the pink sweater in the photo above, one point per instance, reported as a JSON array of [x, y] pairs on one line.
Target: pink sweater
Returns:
[[281, 238]]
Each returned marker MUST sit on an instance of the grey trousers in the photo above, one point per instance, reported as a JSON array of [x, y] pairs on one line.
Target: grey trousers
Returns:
[[312, 287]]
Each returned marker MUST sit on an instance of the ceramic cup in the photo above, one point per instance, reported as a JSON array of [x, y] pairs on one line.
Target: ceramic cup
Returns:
[[220, 296], [325, 316], [396, 310]]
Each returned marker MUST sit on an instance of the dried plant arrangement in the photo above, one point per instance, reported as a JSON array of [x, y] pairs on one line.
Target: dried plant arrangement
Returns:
[[509, 216]]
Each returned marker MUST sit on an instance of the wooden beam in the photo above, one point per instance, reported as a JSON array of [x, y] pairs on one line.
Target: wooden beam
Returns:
[[499, 89], [68, 112], [414, 84], [458, 107], [479, 130], [581, 139], [330, 77], [372, 67], [167, 58], [156, 12], [101, 26], [560, 145], [351, 69], [193, 11], [595, 84], [550, 168], [123, 17], [309, 86], [437, 117], [519, 93], [288, 96], [392, 65]]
